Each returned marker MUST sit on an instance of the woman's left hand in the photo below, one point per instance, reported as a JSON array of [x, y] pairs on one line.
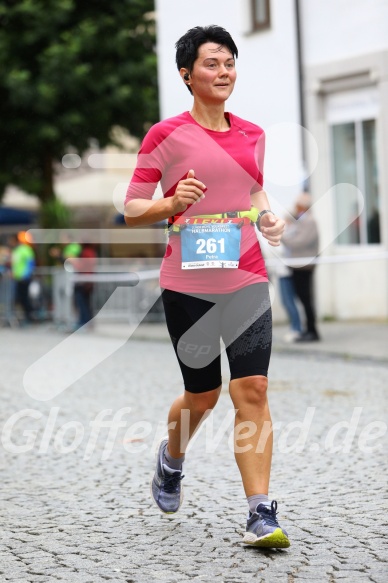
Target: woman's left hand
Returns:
[[271, 227]]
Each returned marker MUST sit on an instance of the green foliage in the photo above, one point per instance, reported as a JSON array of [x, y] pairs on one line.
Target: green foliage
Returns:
[[69, 72], [54, 215]]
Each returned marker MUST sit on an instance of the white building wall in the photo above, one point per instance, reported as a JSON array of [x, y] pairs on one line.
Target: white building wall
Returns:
[[345, 51], [338, 29]]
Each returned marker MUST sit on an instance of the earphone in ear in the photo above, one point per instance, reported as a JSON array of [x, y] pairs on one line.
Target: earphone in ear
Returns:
[[186, 77]]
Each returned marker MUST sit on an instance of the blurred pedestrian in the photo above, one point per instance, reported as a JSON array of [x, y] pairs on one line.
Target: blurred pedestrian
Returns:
[[71, 249], [84, 264], [22, 267], [301, 240], [288, 295]]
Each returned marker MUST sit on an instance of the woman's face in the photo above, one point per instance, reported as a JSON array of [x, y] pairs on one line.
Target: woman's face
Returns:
[[213, 76]]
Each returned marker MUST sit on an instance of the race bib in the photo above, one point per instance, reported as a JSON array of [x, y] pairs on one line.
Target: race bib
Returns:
[[210, 243]]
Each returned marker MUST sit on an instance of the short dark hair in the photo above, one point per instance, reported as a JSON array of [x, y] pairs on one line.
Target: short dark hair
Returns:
[[187, 46]]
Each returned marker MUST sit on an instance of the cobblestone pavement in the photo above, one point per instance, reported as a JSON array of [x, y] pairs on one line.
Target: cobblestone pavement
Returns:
[[72, 510]]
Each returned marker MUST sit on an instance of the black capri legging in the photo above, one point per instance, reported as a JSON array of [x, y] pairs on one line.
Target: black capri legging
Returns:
[[197, 322]]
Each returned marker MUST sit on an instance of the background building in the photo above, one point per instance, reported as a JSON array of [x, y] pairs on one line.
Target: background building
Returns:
[[322, 65]]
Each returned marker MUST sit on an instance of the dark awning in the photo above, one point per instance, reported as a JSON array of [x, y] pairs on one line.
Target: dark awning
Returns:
[[12, 216]]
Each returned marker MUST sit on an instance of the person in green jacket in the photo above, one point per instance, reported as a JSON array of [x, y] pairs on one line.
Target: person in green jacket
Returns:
[[22, 268]]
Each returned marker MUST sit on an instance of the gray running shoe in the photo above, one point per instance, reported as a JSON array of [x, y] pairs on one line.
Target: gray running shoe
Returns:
[[166, 488], [263, 529]]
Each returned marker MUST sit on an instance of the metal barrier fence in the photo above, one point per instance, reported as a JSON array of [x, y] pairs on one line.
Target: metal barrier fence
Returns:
[[52, 291], [52, 296], [116, 296], [40, 293]]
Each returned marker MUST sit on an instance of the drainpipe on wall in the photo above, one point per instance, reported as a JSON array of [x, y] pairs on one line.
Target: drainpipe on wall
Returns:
[[302, 115]]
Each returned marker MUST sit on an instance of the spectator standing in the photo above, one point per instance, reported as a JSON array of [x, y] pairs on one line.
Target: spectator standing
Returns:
[[301, 240], [288, 295], [84, 264], [22, 267]]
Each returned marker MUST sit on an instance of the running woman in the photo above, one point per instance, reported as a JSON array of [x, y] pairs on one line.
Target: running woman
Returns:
[[213, 278]]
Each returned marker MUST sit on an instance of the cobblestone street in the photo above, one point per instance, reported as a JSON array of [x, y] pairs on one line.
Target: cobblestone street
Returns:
[[76, 471]]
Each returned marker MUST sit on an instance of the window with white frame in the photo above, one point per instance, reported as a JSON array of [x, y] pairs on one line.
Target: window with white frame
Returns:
[[261, 16], [352, 122]]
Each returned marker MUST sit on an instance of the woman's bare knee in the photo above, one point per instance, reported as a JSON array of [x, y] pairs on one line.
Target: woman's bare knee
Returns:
[[249, 391]]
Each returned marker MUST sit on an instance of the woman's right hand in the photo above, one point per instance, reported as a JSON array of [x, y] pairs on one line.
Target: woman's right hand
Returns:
[[188, 191]]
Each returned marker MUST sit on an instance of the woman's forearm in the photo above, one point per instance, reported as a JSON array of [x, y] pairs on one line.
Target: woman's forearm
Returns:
[[139, 212], [260, 200]]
